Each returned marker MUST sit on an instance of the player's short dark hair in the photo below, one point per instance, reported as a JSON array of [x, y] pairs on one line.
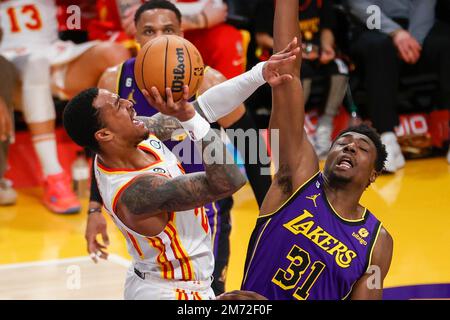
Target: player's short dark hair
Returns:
[[157, 4], [376, 139], [81, 119]]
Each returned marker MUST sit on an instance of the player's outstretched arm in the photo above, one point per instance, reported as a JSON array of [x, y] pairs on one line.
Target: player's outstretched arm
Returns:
[[156, 194], [297, 159], [370, 286], [211, 105]]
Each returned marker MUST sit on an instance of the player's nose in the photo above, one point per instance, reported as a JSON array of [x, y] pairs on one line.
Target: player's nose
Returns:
[[350, 147]]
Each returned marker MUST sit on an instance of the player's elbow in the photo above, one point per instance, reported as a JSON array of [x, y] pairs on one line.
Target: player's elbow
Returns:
[[229, 185]]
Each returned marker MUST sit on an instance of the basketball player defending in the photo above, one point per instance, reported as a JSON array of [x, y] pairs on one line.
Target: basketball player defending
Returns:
[[313, 240], [50, 67]]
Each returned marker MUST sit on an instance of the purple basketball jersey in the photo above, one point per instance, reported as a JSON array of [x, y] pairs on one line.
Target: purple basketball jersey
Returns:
[[305, 250], [128, 89]]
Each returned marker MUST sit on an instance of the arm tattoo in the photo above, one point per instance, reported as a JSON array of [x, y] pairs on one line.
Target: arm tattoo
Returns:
[[150, 194], [161, 126]]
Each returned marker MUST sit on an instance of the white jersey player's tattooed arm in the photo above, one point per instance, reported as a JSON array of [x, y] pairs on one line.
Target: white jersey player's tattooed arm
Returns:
[[153, 194]]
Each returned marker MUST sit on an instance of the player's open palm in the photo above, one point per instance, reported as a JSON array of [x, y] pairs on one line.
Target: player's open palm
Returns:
[[182, 109], [272, 69], [96, 225]]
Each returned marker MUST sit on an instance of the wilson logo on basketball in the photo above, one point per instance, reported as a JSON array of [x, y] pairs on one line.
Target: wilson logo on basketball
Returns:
[[179, 72]]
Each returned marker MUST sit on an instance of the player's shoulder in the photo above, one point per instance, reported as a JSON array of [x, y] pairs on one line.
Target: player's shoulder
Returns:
[[109, 78], [385, 238]]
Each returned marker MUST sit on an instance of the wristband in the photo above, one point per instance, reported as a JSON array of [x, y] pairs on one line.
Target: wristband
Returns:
[[197, 127]]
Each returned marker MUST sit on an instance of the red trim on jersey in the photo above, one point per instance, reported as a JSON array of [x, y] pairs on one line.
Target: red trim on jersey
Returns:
[[178, 251], [135, 244], [112, 170]]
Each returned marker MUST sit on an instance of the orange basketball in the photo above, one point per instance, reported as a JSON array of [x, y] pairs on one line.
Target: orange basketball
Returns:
[[169, 62]]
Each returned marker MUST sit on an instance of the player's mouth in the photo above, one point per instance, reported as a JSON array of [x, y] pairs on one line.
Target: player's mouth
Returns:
[[136, 121], [345, 163]]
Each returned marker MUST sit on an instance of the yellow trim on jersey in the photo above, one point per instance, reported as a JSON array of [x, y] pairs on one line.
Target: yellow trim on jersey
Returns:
[[156, 154], [288, 199], [351, 289], [167, 270], [347, 220], [181, 294], [118, 77], [179, 252], [370, 260], [197, 94], [254, 249], [147, 144], [214, 223], [373, 246]]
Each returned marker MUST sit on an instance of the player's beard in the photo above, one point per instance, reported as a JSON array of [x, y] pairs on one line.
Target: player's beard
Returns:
[[338, 179]]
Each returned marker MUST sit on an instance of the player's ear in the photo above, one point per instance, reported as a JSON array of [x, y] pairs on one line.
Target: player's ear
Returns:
[[373, 176], [104, 135]]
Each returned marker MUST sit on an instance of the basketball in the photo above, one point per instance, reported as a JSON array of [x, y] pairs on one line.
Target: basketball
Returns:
[[169, 62]]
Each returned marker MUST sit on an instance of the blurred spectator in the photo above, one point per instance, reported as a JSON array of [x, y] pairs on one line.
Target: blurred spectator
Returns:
[[48, 66], [411, 40], [319, 58], [9, 84]]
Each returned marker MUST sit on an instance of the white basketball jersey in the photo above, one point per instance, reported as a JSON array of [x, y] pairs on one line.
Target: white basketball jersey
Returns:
[[183, 250], [28, 24]]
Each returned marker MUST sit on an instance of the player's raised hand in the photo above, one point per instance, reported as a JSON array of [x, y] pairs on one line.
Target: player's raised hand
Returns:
[[241, 295], [96, 225], [271, 70], [183, 110]]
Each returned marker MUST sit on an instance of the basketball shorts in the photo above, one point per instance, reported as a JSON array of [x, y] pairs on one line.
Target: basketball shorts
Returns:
[[144, 286]]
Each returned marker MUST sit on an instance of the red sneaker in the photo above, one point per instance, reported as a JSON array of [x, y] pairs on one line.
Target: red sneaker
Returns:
[[58, 195]]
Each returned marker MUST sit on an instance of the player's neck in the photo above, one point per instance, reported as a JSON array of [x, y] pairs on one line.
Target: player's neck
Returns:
[[344, 198]]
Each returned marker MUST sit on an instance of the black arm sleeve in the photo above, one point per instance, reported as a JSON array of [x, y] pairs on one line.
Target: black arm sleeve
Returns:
[[95, 193]]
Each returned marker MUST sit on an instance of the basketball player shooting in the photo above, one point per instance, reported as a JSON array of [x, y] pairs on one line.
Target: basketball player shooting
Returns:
[[313, 240], [154, 19], [158, 208]]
